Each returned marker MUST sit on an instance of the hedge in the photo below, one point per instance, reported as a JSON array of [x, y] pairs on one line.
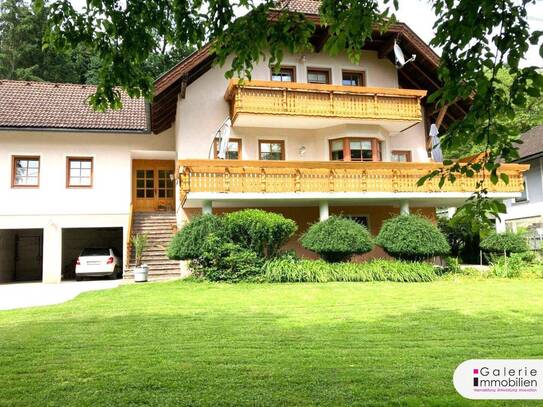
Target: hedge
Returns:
[[507, 242]]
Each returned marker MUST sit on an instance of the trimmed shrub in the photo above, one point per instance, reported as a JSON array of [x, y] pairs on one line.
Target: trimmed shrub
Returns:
[[319, 271], [222, 260], [260, 231], [507, 242], [412, 237], [337, 239], [188, 243]]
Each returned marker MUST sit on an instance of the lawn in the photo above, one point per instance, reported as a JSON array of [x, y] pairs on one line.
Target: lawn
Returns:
[[190, 343]]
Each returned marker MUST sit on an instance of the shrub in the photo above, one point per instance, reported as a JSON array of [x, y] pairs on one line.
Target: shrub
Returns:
[[188, 242], [507, 243], [260, 231], [337, 239], [507, 267], [412, 237], [222, 260], [319, 271]]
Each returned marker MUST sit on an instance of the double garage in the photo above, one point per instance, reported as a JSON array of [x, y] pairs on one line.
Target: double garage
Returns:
[[21, 250]]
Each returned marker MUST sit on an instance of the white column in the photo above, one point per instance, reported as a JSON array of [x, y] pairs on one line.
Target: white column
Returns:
[[52, 253], [207, 208], [324, 211], [451, 211], [404, 207]]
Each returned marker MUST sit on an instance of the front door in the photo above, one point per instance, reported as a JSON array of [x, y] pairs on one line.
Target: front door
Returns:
[[153, 185]]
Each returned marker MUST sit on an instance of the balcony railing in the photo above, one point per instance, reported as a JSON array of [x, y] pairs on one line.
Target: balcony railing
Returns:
[[232, 176], [303, 99]]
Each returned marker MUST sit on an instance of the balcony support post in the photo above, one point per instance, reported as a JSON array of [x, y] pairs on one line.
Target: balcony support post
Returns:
[[207, 208], [324, 210], [404, 207]]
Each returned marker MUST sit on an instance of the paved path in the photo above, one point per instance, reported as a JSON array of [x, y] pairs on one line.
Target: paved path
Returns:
[[22, 295]]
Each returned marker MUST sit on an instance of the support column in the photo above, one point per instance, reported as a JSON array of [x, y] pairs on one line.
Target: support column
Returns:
[[52, 253], [404, 207], [207, 208], [324, 211], [451, 211]]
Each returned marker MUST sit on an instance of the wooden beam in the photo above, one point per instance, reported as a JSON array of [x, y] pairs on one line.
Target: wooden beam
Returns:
[[184, 84], [441, 115], [424, 74]]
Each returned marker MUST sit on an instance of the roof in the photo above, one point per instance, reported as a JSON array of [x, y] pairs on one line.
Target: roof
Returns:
[[301, 6], [532, 143], [420, 74], [44, 105]]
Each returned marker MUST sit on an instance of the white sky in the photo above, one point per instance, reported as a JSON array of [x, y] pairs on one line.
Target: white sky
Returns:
[[418, 15]]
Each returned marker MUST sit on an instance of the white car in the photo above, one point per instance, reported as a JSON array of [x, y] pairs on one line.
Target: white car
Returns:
[[96, 262]]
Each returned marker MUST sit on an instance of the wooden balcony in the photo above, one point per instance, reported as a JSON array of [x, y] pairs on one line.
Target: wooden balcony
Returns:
[[224, 176], [251, 100]]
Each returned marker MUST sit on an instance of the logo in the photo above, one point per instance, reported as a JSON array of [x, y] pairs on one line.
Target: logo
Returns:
[[494, 379]]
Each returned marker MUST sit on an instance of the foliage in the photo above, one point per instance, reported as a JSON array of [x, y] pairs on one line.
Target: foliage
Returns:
[[463, 232], [507, 267], [412, 237], [452, 265], [222, 260], [319, 271], [507, 242], [263, 232], [188, 243], [139, 242], [337, 239]]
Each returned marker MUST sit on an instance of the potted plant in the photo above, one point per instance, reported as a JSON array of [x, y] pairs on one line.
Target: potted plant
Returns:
[[141, 271]]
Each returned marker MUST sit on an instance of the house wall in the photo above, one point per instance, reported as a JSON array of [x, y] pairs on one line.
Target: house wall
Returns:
[[53, 206], [204, 109]]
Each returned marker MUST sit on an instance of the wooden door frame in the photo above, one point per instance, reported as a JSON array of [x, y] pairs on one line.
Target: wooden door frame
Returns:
[[154, 165]]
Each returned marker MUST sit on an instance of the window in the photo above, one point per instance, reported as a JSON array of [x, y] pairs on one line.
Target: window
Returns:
[[355, 149], [321, 76], [25, 172], [285, 74], [524, 194], [353, 79], [233, 151], [271, 150], [401, 156], [78, 172], [360, 219]]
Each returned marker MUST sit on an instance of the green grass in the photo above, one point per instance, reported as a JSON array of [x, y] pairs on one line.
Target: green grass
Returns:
[[190, 343]]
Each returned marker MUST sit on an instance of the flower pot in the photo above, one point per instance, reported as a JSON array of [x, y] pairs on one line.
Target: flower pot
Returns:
[[141, 273]]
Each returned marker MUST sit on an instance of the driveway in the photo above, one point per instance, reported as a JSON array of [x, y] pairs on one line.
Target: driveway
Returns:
[[22, 295]]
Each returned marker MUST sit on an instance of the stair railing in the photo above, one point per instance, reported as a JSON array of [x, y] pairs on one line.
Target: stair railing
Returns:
[[129, 237]]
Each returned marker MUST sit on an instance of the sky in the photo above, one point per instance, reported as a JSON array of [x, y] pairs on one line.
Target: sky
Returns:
[[418, 15]]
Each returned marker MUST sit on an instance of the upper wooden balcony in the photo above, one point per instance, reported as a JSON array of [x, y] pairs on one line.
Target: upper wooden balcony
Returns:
[[272, 177], [289, 105]]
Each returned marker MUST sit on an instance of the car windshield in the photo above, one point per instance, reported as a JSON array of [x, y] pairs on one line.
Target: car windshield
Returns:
[[95, 252]]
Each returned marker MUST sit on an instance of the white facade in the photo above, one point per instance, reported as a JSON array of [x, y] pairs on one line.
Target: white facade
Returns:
[[52, 206]]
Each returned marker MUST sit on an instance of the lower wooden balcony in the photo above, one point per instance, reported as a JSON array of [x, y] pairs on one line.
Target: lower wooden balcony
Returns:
[[276, 177]]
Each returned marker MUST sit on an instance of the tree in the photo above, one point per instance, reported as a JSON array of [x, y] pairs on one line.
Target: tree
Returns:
[[475, 38]]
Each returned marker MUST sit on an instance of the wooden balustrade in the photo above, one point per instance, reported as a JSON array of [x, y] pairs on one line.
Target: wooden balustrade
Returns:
[[303, 99], [233, 176]]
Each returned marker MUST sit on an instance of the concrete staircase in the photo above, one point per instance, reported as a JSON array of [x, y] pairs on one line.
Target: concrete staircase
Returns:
[[159, 228]]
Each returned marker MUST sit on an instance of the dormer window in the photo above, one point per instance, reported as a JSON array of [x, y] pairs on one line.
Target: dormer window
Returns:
[[355, 149]]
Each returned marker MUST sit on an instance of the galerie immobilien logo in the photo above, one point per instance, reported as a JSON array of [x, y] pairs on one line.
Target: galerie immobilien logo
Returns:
[[495, 379]]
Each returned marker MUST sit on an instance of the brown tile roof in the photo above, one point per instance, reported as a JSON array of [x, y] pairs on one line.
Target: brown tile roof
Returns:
[[532, 142], [64, 106], [301, 6]]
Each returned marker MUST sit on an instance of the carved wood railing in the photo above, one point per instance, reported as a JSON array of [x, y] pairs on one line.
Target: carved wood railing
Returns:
[[303, 99], [239, 176]]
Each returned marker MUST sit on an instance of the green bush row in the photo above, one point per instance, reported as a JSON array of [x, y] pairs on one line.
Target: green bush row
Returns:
[[285, 270]]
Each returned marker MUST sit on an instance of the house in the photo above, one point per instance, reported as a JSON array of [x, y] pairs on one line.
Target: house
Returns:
[[320, 136], [526, 211]]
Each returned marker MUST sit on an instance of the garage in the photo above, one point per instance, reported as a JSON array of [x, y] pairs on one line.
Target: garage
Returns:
[[21, 255], [74, 240]]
